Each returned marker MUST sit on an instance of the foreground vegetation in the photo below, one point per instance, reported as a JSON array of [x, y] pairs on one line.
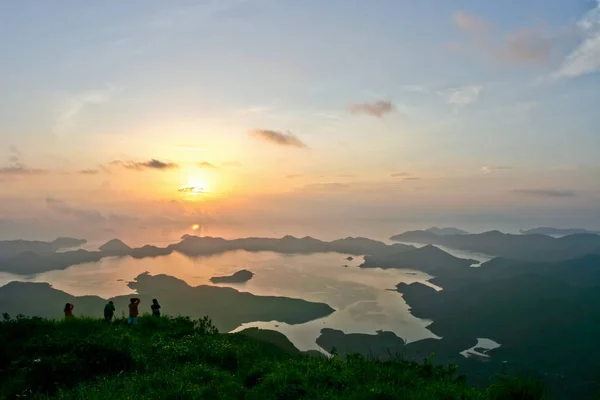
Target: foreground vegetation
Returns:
[[177, 358]]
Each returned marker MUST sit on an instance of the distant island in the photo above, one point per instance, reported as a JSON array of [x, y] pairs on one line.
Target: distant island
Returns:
[[238, 277], [27, 258], [557, 231], [12, 248], [533, 247], [446, 231]]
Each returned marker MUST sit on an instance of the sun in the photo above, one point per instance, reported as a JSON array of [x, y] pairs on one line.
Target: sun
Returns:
[[195, 227]]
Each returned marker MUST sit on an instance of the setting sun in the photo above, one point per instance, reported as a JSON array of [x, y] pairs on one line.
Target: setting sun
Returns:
[[195, 227]]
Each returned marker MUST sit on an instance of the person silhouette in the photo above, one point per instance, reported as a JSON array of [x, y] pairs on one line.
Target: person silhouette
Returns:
[[155, 308], [109, 311], [133, 311], [68, 310]]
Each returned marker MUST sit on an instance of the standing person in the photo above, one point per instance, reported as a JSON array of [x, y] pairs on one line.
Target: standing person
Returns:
[[155, 308], [109, 311], [68, 310], [133, 311]]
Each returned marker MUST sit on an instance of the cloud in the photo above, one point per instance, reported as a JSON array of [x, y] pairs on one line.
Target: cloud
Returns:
[[470, 23], [151, 164], [464, 96], [279, 138], [88, 216], [16, 166], [326, 187], [376, 109], [585, 59], [62, 208], [405, 176], [191, 189], [523, 46], [546, 192], [206, 164], [294, 176], [488, 170], [88, 171], [76, 105]]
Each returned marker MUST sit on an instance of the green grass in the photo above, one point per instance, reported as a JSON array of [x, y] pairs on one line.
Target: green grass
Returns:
[[177, 358]]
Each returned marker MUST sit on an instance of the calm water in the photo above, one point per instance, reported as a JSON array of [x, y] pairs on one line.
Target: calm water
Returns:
[[361, 297]]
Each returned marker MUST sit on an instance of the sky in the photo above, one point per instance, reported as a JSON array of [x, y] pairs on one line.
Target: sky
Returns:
[[154, 116]]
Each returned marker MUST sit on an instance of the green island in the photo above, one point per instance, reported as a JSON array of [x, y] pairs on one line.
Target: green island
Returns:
[[181, 358]]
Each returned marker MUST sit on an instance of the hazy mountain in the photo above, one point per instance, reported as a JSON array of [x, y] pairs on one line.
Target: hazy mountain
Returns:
[[227, 307], [446, 231], [238, 277], [429, 259], [190, 245], [149, 251], [67, 243], [557, 231], [194, 245], [115, 247], [32, 263], [524, 247], [12, 248]]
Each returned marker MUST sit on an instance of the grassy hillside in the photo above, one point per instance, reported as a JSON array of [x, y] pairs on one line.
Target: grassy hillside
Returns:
[[177, 358]]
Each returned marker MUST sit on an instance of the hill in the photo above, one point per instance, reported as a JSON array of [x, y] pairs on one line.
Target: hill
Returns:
[[429, 259], [446, 231], [12, 248], [545, 230], [540, 313], [521, 247], [177, 358]]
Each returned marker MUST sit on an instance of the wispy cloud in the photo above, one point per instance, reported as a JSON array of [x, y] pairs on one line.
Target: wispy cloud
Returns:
[[545, 192], [405, 176], [206, 164], [83, 214], [76, 105], [16, 166], [531, 45], [489, 170], [464, 96], [326, 187], [231, 164], [151, 164], [294, 176], [376, 109], [279, 138], [585, 59], [470, 23], [88, 171]]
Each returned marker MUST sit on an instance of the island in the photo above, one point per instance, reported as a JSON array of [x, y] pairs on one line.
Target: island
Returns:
[[239, 277], [228, 307], [429, 259]]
